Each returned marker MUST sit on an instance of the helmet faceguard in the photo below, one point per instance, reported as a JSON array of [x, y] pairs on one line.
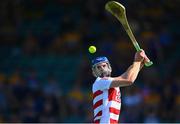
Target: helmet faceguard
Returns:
[[105, 72]]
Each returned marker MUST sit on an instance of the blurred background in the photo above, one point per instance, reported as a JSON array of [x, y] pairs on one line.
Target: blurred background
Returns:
[[45, 67]]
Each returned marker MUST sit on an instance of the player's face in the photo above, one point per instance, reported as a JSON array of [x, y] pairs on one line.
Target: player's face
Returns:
[[102, 66], [103, 69]]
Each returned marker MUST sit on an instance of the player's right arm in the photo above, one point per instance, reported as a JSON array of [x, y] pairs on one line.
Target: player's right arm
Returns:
[[128, 77]]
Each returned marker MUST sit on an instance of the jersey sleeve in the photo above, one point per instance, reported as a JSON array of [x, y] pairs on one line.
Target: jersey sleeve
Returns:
[[104, 83]]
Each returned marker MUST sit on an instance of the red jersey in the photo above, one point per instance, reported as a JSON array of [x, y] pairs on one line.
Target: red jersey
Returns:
[[106, 101]]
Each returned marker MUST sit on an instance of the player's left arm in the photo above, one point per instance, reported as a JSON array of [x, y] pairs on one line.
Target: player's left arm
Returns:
[[128, 77]]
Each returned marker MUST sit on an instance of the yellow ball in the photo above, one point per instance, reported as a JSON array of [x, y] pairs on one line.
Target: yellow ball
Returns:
[[92, 49]]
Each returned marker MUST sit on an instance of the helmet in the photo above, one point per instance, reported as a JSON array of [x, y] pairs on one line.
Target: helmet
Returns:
[[99, 60], [106, 72]]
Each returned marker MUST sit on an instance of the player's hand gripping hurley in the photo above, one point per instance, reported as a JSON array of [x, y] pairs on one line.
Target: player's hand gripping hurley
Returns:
[[119, 11]]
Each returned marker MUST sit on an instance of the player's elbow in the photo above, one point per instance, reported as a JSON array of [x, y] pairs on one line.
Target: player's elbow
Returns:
[[130, 82]]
